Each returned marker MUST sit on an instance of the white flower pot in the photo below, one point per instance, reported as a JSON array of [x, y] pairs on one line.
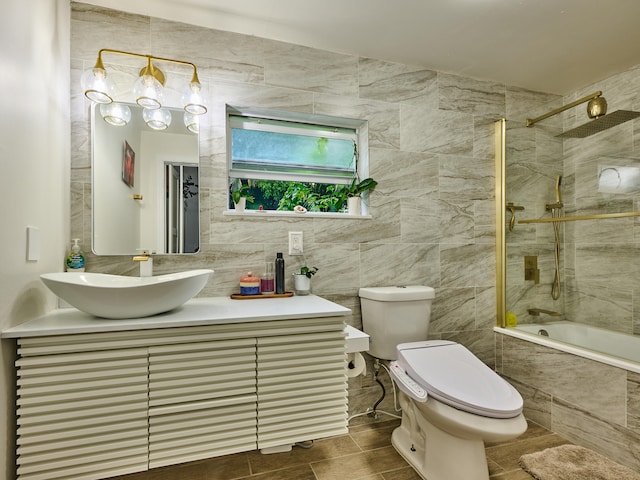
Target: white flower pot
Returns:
[[354, 205], [240, 206], [302, 284]]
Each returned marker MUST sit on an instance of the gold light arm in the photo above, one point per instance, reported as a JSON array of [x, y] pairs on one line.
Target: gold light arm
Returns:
[[150, 58], [532, 121]]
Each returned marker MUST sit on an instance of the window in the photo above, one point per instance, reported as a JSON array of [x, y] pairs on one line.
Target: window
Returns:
[[284, 159]]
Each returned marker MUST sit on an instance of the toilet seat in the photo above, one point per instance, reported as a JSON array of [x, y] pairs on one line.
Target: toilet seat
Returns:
[[477, 388]]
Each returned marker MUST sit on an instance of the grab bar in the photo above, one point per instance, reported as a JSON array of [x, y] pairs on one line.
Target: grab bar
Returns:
[[537, 311]]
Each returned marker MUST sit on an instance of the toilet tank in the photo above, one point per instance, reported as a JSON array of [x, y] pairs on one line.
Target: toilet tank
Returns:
[[394, 315]]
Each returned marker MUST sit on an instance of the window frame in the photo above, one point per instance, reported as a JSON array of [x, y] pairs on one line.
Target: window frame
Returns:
[[360, 126]]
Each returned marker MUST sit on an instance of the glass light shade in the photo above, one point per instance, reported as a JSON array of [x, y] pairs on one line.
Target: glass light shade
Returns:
[[158, 119], [97, 86], [192, 99], [192, 122], [148, 92], [115, 114]]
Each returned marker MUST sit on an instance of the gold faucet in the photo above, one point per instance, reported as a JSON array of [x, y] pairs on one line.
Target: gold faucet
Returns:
[[537, 311], [146, 263]]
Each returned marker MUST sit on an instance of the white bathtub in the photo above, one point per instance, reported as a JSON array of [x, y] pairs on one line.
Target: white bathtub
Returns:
[[612, 348]]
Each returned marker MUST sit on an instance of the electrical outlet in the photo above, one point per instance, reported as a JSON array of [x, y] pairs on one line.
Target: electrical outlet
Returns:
[[295, 243]]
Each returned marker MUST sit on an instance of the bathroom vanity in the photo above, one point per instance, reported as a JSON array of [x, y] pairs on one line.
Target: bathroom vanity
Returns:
[[98, 398]]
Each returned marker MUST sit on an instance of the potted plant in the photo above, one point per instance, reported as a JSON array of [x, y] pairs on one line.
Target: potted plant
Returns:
[[354, 194], [240, 194], [302, 280]]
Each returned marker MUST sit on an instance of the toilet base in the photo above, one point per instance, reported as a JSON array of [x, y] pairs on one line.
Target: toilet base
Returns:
[[445, 462], [436, 454]]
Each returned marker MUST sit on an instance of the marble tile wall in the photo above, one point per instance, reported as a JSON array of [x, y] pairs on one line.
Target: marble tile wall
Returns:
[[601, 257], [599, 261], [431, 150], [592, 404], [533, 160], [587, 402]]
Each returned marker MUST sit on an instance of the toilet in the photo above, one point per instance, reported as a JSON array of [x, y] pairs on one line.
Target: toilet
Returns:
[[451, 401]]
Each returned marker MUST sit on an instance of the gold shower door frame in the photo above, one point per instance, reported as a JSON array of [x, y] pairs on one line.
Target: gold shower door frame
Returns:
[[500, 196]]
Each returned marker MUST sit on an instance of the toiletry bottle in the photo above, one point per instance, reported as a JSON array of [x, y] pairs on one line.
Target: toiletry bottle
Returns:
[[279, 273], [267, 286], [75, 259]]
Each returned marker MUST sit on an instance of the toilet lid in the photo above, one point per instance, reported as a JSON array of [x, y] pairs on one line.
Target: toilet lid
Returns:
[[477, 389]]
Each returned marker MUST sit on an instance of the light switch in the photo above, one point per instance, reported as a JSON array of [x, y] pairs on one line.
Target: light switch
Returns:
[[33, 244]]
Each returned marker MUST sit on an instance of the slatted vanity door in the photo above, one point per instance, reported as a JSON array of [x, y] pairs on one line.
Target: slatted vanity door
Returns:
[[302, 387], [82, 414], [202, 400]]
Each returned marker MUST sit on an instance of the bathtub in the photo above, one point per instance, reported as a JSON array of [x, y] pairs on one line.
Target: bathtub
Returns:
[[604, 346]]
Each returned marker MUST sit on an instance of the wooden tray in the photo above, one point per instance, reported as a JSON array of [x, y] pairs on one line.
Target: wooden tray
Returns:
[[237, 296]]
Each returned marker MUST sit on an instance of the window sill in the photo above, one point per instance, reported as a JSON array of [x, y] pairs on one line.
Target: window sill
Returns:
[[279, 214]]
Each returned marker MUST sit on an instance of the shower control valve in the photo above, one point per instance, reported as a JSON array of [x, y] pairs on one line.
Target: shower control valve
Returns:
[[531, 270]]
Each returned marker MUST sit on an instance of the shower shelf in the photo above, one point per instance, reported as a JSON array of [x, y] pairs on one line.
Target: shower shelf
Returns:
[[595, 216]]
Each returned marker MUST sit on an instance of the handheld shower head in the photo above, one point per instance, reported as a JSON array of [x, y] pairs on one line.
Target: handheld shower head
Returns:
[[558, 191]]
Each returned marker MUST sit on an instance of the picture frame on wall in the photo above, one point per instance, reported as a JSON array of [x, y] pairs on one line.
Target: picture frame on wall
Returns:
[[128, 165]]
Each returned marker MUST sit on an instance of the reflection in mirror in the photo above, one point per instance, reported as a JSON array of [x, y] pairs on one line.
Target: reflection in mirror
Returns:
[[145, 186]]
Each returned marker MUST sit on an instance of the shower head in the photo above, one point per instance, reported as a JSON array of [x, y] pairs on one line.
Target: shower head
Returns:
[[558, 191], [596, 108], [600, 124]]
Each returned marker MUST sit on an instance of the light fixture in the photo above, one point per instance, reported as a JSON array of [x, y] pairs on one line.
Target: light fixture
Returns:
[[192, 122], [192, 94], [157, 119], [96, 85], [116, 114], [147, 89]]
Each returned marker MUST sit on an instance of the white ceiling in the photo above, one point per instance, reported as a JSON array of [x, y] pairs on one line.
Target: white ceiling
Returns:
[[554, 46]]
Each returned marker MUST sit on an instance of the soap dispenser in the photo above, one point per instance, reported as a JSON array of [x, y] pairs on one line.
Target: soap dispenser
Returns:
[[75, 260]]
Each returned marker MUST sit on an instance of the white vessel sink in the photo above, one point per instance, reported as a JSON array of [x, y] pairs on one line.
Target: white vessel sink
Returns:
[[117, 296]]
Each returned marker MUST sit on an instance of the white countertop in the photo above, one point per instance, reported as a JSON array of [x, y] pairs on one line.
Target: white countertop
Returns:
[[195, 312]]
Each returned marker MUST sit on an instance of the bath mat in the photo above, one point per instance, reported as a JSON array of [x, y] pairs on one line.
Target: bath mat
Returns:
[[571, 462]]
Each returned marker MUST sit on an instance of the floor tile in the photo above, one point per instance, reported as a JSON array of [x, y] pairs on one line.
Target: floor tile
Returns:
[[374, 438], [507, 455], [298, 472], [322, 449], [406, 473], [359, 465], [365, 453], [228, 467]]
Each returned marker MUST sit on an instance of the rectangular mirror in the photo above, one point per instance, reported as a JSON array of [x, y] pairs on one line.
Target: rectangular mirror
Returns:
[[145, 185]]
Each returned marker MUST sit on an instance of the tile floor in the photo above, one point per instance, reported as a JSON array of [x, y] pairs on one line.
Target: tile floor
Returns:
[[365, 453]]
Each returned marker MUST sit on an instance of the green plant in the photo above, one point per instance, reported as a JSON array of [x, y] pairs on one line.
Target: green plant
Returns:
[[239, 190], [355, 188], [308, 272], [358, 188]]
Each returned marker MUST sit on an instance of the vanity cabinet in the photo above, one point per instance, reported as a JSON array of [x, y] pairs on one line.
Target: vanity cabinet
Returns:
[[96, 405]]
